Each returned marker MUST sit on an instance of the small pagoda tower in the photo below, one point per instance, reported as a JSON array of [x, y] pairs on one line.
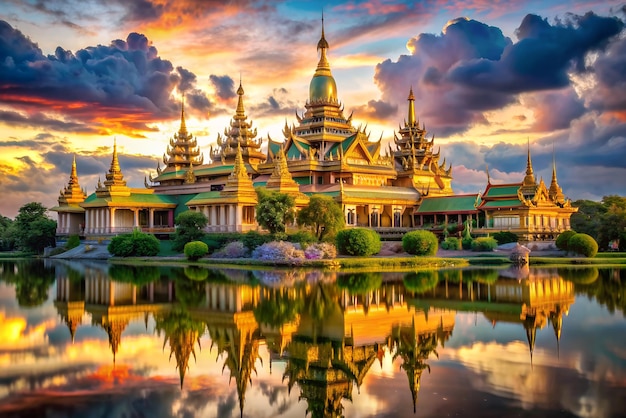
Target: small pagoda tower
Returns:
[[183, 150], [239, 135], [70, 214], [555, 192], [281, 181], [417, 165], [114, 185], [529, 184]]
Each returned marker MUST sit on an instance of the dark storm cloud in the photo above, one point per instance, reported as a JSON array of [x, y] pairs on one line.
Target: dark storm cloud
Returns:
[[39, 120], [377, 110], [471, 67], [610, 71], [555, 110], [224, 86], [126, 75]]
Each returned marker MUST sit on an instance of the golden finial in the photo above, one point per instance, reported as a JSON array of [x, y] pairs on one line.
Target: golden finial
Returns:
[[411, 100], [115, 164], [240, 113], [488, 177], [529, 180], [183, 125]]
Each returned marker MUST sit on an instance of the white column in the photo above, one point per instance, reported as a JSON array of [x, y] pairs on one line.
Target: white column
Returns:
[[112, 218], [151, 218]]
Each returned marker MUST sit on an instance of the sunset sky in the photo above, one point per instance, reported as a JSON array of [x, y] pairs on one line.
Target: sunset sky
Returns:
[[488, 76]]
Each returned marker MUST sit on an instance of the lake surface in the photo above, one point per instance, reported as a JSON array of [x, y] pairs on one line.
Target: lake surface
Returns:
[[88, 339]]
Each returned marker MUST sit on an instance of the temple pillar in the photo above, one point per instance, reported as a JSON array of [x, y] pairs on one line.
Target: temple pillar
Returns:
[[112, 216], [170, 218], [238, 217], [151, 218], [135, 218]]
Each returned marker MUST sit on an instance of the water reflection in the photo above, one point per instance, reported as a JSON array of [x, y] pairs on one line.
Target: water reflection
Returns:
[[323, 331]]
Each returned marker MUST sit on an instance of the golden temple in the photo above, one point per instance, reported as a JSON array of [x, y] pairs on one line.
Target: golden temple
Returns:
[[405, 186]]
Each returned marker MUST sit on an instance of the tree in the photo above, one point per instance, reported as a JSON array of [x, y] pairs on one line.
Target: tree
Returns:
[[605, 221], [323, 215], [34, 230], [274, 210], [7, 234], [189, 227]]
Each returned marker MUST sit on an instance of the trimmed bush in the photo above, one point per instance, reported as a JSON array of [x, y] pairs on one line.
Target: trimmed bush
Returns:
[[420, 242], [562, 241], [484, 244], [583, 244], [195, 249], [504, 237], [451, 243], [466, 243], [136, 244], [358, 241], [72, 242], [121, 245]]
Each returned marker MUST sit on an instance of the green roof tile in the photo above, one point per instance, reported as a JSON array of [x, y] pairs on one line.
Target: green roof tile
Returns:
[[506, 203], [502, 191], [453, 204]]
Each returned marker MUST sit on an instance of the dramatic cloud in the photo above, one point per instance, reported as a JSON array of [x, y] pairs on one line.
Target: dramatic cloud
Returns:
[[224, 86], [471, 67], [126, 78]]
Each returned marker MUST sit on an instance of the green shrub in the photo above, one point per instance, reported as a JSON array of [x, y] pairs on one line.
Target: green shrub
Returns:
[[451, 243], [195, 249], [358, 241], [420, 242], [504, 237], [304, 238], [72, 242], [466, 243], [146, 245], [196, 273], [583, 244], [121, 245], [421, 281], [253, 239], [136, 244], [484, 244], [562, 241]]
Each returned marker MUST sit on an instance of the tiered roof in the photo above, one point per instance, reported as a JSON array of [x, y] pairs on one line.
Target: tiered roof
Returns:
[[183, 150]]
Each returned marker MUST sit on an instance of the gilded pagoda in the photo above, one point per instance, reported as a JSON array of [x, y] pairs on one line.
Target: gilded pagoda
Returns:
[[406, 185]]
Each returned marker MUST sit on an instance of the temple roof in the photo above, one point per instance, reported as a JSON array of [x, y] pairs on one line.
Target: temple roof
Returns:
[[453, 204]]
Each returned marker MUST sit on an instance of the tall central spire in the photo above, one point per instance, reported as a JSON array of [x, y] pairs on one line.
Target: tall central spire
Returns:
[[529, 180], [323, 87], [411, 99]]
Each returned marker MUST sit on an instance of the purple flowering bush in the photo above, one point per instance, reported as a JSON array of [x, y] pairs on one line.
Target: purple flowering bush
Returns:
[[278, 251], [235, 249], [320, 250]]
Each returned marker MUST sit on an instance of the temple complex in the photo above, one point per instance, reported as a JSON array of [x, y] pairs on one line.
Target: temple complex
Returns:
[[404, 186]]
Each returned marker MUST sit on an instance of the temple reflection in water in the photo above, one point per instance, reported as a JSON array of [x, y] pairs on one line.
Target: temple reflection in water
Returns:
[[327, 329]]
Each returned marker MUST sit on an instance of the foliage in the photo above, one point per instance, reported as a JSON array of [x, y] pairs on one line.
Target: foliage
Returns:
[[189, 227], [279, 308], [8, 234], [235, 249], [275, 210], [320, 250], [135, 244], [360, 283], [253, 239], [278, 251], [562, 241], [420, 242], [421, 281], [583, 244], [605, 221], [34, 230], [579, 275], [451, 243], [195, 249], [323, 215], [481, 275], [484, 244], [72, 242], [196, 273], [466, 243], [32, 280], [304, 238], [358, 241], [137, 275], [504, 237]]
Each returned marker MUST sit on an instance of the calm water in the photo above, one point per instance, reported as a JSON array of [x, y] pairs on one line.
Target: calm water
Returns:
[[85, 339]]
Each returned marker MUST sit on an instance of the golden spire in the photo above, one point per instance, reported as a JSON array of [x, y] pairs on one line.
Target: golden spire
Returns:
[[115, 177], [411, 100], [529, 180], [488, 176], [183, 126], [323, 67], [240, 114], [555, 192], [73, 175], [239, 169]]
